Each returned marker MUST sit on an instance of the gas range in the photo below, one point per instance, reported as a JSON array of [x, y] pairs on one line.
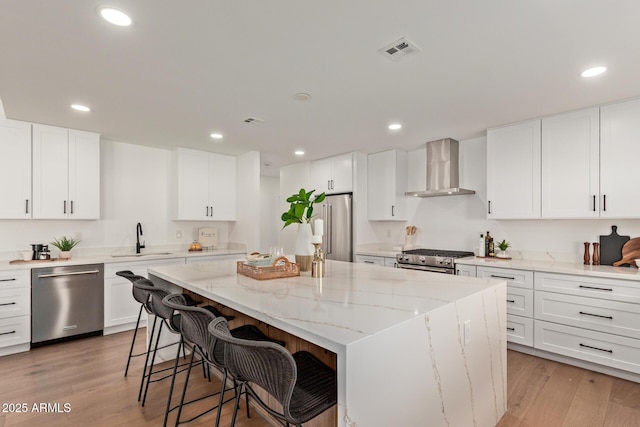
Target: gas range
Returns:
[[435, 260]]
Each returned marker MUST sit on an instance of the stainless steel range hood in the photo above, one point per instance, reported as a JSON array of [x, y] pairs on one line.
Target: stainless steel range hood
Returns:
[[442, 170]]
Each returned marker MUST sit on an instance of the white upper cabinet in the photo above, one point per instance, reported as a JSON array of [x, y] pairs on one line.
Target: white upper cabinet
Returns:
[[571, 165], [619, 154], [333, 175], [513, 171], [66, 173], [387, 183], [206, 186], [15, 170]]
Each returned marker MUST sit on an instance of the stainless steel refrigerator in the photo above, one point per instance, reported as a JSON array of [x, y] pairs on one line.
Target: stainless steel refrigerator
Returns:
[[336, 213]]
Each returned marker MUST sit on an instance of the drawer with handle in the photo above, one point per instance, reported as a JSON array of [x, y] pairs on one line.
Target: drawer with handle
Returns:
[[612, 317], [517, 278], [520, 330], [14, 330], [15, 302], [606, 349], [596, 287], [15, 279], [520, 302], [368, 259]]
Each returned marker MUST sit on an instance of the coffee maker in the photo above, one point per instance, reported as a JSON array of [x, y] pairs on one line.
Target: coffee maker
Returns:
[[40, 251]]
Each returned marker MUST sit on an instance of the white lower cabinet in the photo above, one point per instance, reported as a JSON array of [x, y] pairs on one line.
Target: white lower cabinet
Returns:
[[465, 270], [15, 311], [603, 348], [120, 308], [377, 260], [519, 301], [520, 330], [589, 318]]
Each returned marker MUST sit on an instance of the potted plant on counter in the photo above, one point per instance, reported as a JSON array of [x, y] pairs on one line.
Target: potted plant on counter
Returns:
[[65, 244], [503, 246], [300, 212]]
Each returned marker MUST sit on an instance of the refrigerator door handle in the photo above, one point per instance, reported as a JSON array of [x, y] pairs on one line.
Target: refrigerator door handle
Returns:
[[329, 228]]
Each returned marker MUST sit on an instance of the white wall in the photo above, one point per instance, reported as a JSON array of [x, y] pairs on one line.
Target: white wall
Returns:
[[246, 229], [270, 212], [292, 179], [456, 222], [135, 187]]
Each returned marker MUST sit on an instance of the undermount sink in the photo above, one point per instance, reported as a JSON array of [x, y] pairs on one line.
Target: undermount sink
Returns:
[[140, 255]]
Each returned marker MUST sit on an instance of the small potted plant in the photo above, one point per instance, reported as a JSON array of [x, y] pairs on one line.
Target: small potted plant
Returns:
[[300, 212], [65, 244], [503, 246]]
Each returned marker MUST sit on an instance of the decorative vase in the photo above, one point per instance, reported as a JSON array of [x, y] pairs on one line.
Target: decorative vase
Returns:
[[502, 254], [304, 248], [65, 254]]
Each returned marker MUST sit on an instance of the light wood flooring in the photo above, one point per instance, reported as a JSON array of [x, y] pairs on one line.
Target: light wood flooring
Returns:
[[88, 375]]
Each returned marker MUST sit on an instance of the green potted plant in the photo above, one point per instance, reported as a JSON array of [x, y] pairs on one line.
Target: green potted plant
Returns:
[[300, 212], [301, 207], [503, 246], [65, 244]]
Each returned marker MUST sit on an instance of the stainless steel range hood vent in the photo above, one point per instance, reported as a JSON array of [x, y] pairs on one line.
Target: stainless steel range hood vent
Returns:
[[442, 170]]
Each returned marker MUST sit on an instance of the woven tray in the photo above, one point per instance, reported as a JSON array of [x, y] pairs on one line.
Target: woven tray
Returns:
[[280, 268]]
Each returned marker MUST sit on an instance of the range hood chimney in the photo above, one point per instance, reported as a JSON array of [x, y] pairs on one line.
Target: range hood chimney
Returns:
[[442, 170]]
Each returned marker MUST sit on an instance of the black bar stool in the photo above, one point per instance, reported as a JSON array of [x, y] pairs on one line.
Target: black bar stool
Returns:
[[301, 383]]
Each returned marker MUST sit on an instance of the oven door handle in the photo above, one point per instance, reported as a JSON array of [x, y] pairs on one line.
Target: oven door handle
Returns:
[[426, 268]]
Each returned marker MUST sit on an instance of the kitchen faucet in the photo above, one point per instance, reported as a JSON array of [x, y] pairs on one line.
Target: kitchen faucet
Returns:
[[138, 234]]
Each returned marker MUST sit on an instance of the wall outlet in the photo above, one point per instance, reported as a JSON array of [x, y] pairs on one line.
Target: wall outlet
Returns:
[[467, 332], [178, 234]]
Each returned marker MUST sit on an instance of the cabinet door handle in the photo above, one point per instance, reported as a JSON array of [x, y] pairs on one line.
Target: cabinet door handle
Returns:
[[64, 208], [369, 262], [207, 211], [392, 210], [512, 301], [596, 348], [489, 210], [332, 184], [8, 303], [604, 202], [596, 315], [511, 329], [26, 206], [328, 184], [8, 333], [594, 202], [72, 207], [596, 288], [8, 280], [502, 277]]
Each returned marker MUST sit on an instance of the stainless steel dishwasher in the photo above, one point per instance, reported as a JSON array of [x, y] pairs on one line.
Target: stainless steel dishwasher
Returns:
[[66, 301]]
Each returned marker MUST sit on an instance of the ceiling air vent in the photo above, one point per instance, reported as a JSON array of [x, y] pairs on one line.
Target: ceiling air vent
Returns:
[[253, 121], [399, 49]]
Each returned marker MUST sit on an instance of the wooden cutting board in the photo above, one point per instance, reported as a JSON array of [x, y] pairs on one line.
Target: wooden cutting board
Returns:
[[630, 252], [611, 246]]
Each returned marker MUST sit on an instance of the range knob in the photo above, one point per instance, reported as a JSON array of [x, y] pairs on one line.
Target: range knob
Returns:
[[422, 260]]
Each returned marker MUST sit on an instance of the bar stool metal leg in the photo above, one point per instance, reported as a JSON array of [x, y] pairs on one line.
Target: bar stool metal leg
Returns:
[[133, 341]]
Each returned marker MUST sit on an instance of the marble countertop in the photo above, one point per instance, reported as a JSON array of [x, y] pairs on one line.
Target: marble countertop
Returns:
[[606, 271], [352, 302], [117, 257]]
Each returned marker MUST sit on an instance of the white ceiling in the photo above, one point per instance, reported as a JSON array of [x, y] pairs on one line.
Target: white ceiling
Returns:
[[188, 68]]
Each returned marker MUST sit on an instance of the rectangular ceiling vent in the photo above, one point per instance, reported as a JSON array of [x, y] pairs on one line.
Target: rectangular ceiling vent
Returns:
[[253, 121], [399, 49]]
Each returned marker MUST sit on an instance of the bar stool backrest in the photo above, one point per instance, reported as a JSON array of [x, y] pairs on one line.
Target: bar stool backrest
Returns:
[[264, 363], [139, 295], [193, 322]]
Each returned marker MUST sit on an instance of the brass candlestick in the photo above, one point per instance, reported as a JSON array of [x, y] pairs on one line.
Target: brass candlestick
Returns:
[[317, 265]]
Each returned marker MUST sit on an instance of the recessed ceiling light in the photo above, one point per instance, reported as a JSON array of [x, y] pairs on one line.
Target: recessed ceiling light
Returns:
[[216, 135], [591, 72], [395, 126], [299, 153], [79, 107], [115, 16]]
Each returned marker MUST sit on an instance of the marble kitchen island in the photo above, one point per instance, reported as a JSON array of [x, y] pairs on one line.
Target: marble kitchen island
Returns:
[[412, 348]]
